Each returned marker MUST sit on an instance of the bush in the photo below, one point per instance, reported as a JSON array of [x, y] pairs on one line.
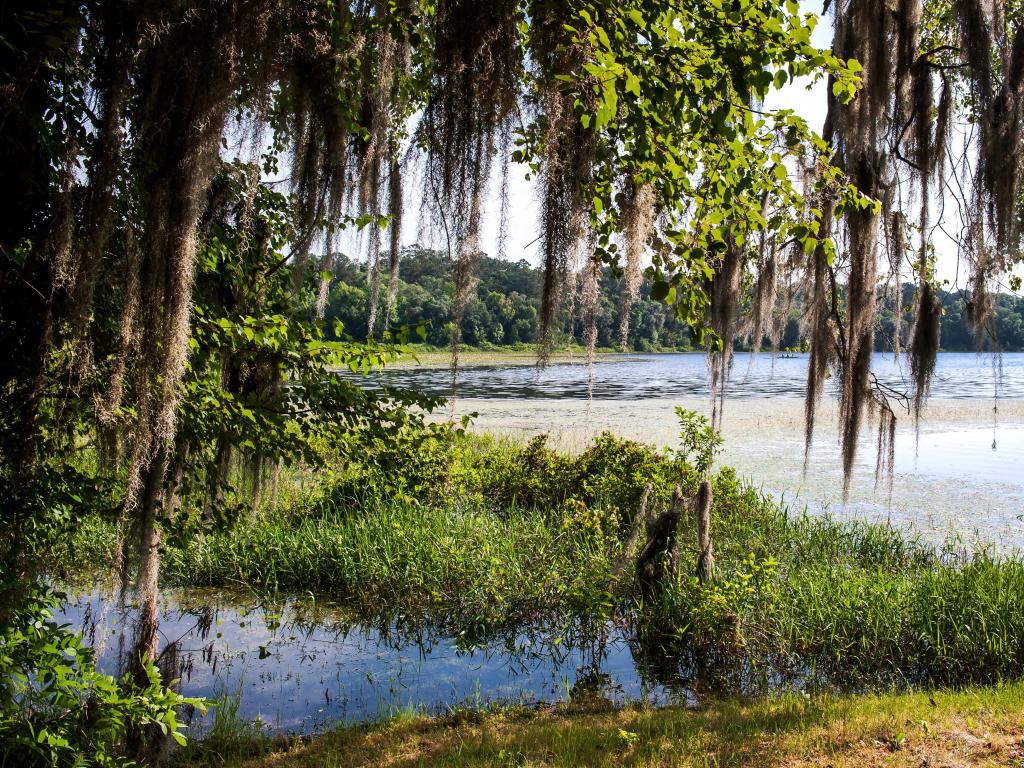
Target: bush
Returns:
[[56, 709]]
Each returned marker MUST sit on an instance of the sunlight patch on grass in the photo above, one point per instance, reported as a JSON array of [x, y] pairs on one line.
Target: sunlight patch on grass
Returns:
[[978, 727]]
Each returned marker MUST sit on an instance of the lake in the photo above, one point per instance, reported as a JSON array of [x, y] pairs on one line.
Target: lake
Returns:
[[958, 375], [958, 475], [300, 664]]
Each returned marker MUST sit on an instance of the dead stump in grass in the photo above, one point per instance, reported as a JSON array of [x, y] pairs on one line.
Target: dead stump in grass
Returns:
[[659, 558], [705, 554]]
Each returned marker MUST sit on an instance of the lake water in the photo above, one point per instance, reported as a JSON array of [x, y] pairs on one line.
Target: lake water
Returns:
[[957, 474], [299, 665], [958, 375]]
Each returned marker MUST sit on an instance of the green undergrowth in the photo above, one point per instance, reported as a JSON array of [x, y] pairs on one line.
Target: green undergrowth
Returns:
[[483, 536]]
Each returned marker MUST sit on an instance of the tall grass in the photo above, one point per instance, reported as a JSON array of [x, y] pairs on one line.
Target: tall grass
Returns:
[[486, 536], [464, 563]]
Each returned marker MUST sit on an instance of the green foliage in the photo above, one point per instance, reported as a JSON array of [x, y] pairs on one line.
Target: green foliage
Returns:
[[502, 536], [699, 441], [504, 308], [261, 387], [503, 312], [57, 710]]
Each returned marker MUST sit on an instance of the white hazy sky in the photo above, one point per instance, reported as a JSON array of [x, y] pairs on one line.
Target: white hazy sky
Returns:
[[808, 100]]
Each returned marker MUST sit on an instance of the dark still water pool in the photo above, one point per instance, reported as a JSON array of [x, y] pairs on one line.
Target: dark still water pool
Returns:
[[636, 376], [300, 665]]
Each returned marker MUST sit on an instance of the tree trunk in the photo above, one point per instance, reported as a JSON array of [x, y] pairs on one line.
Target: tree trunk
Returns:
[[150, 745], [148, 580], [705, 555]]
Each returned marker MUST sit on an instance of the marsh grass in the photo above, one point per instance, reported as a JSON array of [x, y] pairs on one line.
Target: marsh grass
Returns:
[[230, 737], [484, 538], [466, 564]]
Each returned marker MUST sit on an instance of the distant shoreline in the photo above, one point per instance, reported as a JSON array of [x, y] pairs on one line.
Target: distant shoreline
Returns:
[[435, 358], [470, 358]]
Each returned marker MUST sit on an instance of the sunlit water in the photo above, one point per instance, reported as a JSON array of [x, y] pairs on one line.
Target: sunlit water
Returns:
[[299, 666], [958, 375], [961, 474]]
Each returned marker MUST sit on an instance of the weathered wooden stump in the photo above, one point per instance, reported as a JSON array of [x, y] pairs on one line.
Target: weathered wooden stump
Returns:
[[705, 555], [640, 519], [659, 557]]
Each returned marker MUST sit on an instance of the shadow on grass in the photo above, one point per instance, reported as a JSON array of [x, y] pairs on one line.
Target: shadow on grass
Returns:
[[980, 727]]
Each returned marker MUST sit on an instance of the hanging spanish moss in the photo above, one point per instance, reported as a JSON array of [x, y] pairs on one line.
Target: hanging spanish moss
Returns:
[[924, 343], [764, 289], [394, 236], [476, 72], [980, 303], [885, 450], [591, 275], [896, 239], [373, 276], [504, 157], [568, 158], [723, 305], [863, 31], [638, 220], [819, 328]]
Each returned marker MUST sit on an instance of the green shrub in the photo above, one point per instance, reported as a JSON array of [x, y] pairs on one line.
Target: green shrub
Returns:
[[56, 709]]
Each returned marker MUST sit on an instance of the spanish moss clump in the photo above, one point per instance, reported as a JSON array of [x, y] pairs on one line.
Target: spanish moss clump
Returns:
[[638, 222], [764, 292], [723, 304], [924, 343], [896, 237], [980, 307], [373, 278], [568, 152], [568, 157], [943, 123], [476, 72], [894, 109], [885, 457], [591, 294], [819, 329], [395, 236]]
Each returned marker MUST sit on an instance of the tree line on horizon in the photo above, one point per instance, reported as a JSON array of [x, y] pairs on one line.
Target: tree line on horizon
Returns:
[[503, 310]]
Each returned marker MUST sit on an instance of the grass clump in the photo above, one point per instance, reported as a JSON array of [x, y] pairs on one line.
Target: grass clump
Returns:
[[463, 565], [822, 602]]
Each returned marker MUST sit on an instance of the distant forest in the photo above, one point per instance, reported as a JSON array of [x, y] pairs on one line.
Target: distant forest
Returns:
[[503, 311]]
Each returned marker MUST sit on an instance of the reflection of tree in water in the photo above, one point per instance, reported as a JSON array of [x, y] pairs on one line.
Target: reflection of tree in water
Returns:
[[550, 657]]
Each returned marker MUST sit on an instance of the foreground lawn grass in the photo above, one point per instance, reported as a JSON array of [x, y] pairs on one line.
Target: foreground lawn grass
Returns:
[[977, 727]]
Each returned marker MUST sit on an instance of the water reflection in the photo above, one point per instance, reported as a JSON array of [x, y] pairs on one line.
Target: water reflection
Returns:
[[301, 664]]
